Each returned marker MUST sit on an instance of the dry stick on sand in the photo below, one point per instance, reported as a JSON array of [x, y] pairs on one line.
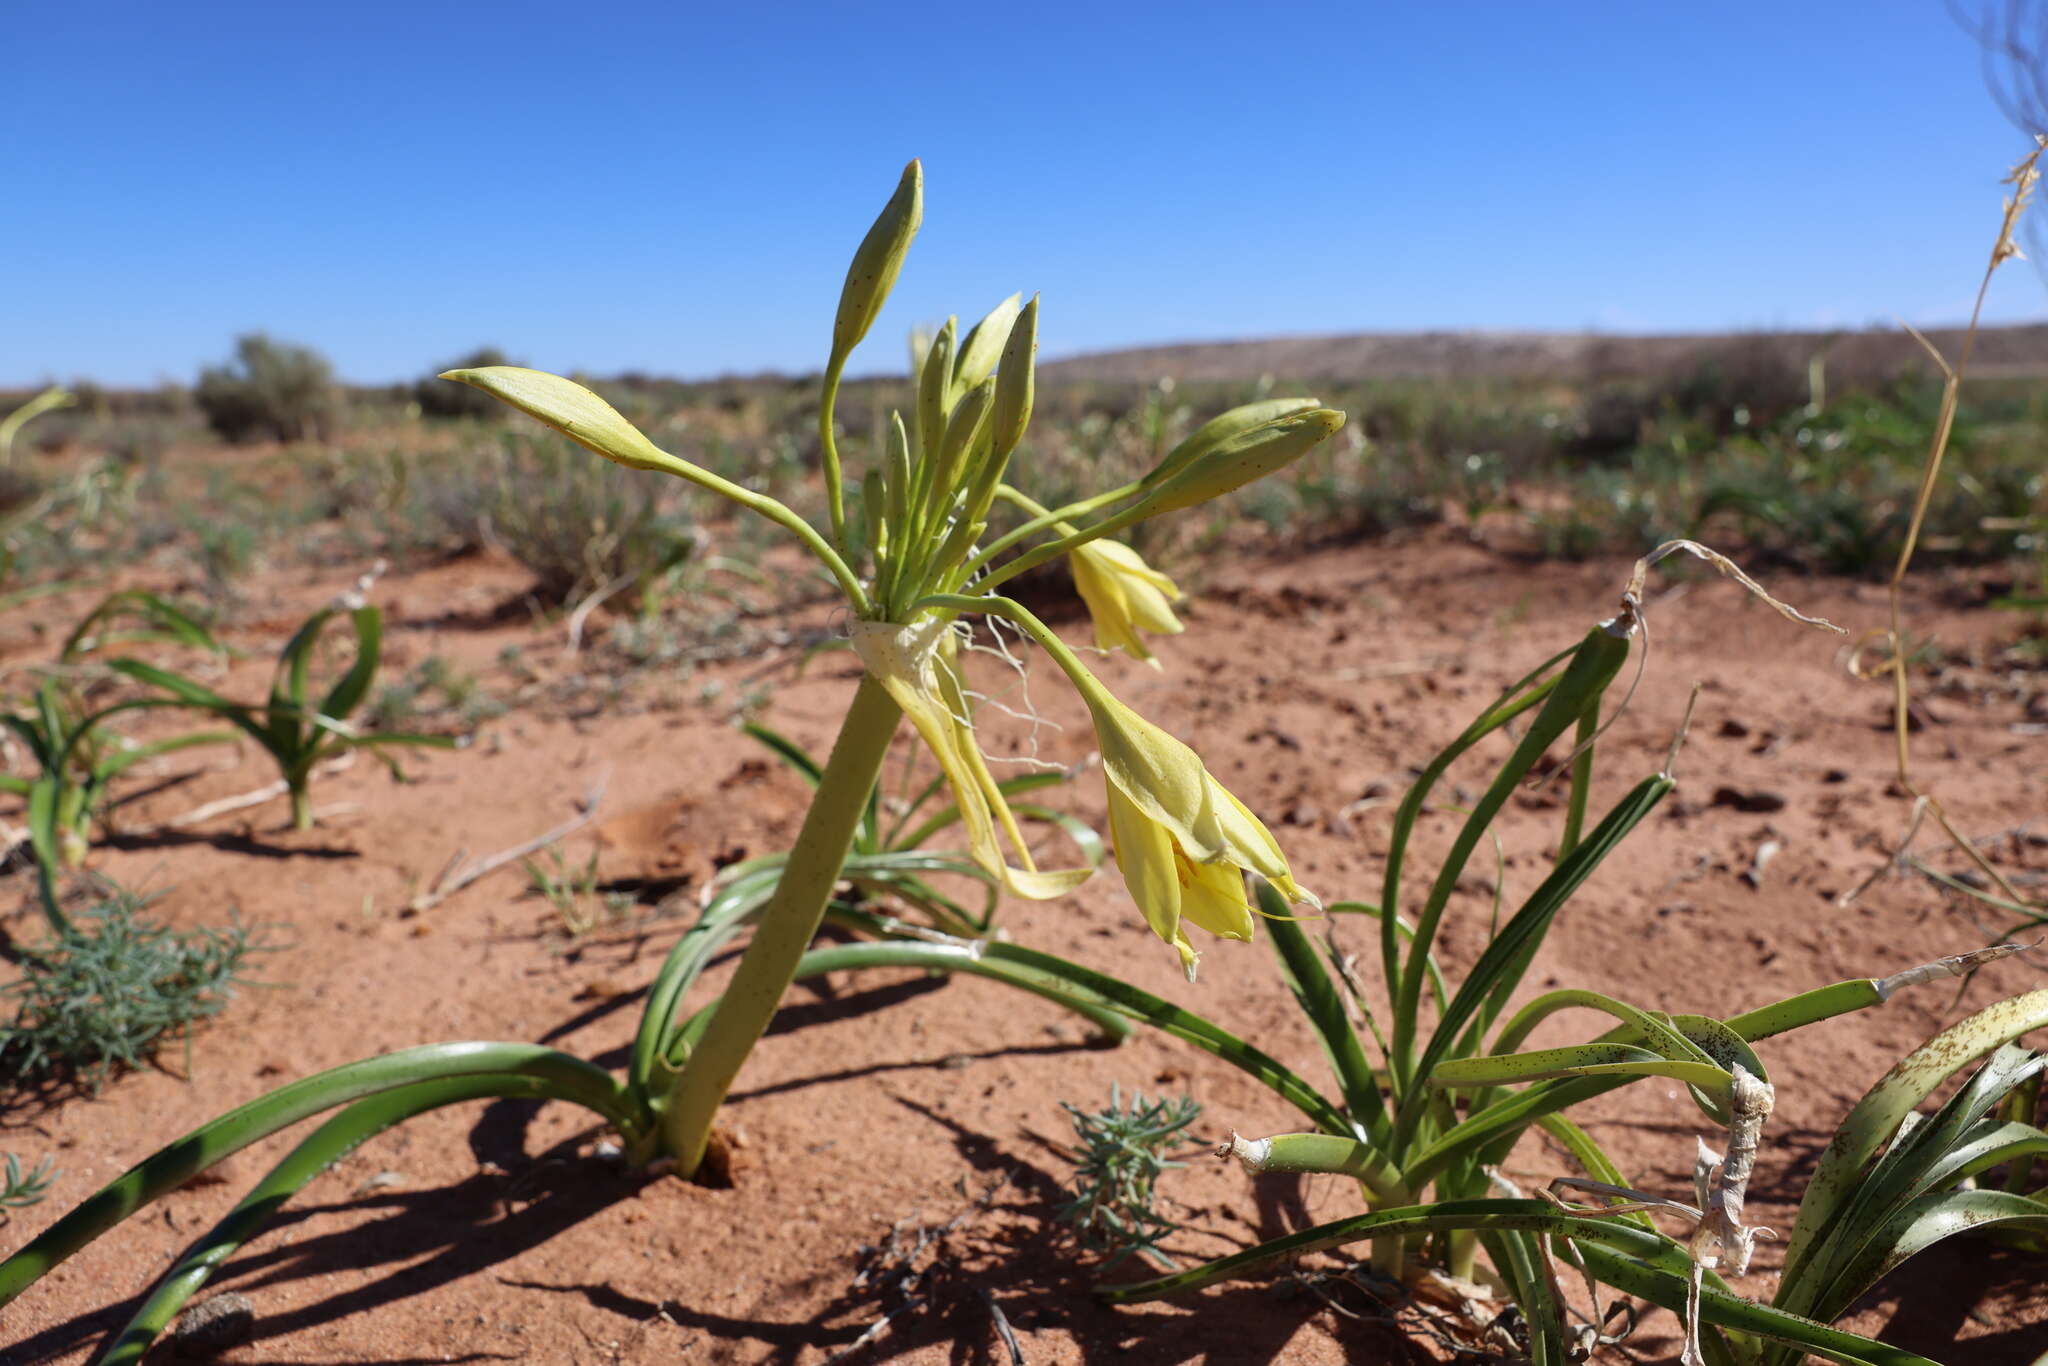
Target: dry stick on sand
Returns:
[[199, 815], [2023, 179], [460, 870]]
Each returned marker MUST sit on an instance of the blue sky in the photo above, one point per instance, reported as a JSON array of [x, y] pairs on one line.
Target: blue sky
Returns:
[[676, 188]]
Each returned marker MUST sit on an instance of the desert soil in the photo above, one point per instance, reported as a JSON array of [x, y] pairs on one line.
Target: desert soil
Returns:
[[1315, 684]]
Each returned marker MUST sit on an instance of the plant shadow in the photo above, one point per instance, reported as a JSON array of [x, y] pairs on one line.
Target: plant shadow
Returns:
[[425, 1240], [228, 843]]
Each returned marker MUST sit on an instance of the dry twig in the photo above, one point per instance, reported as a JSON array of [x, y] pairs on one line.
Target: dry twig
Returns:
[[460, 870]]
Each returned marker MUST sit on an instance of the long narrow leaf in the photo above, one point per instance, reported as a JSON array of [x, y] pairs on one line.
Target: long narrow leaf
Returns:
[[197, 695], [1187, 1026], [975, 959], [1519, 697], [1667, 1289], [119, 762], [352, 687], [1517, 1255], [320, 1150], [170, 1167], [1591, 668], [1326, 1011], [1507, 956], [1878, 1115]]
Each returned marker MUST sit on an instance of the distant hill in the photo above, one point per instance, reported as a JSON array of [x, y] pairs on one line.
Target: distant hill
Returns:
[[2019, 352]]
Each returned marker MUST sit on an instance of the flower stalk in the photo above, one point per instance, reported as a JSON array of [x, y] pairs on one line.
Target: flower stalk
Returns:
[[787, 927]]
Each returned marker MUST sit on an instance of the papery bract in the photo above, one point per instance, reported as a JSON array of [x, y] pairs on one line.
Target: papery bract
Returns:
[[914, 665]]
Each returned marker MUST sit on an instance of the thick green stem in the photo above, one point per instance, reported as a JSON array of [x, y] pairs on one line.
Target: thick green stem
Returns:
[[787, 925], [302, 809]]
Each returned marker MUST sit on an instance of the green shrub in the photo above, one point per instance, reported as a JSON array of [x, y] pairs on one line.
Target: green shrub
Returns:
[[270, 389], [106, 995], [578, 525]]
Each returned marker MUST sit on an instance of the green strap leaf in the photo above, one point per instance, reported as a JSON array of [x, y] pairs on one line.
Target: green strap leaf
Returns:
[[568, 1078], [1187, 1026], [1592, 666], [1507, 956], [120, 761], [1325, 1008], [322, 1149], [1878, 1115], [352, 687]]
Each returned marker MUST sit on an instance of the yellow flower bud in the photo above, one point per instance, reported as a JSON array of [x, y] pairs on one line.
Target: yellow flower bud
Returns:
[[875, 265], [935, 389], [573, 411], [1015, 382], [1237, 461], [1222, 428], [984, 345]]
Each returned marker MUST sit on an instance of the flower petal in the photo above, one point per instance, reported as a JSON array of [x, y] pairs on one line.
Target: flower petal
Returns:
[[1145, 857], [1124, 596], [1213, 899], [1158, 774]]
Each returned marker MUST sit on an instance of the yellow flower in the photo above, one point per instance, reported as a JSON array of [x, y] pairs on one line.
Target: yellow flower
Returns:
[[1183, 841], [1171, 889], [916, 664], [1124, 596]]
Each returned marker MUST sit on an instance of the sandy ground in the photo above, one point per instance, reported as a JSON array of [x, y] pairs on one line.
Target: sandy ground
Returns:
[[1314, 685]]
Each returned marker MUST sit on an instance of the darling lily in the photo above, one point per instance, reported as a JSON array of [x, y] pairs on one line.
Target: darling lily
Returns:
[[919, 557]]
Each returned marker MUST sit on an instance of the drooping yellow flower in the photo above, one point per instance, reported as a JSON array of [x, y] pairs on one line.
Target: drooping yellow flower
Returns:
[[1183, 841], [1124, 596], [1169, 888], [916, 664]]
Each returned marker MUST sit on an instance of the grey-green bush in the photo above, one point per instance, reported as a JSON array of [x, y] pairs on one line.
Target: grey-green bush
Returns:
[[270, 389]]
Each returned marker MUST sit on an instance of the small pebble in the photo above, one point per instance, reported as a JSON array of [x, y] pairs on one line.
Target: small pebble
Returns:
[[213, 1325]]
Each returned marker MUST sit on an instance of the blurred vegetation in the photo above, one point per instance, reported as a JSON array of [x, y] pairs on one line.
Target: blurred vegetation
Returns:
[[1805, 455], [271, 390]]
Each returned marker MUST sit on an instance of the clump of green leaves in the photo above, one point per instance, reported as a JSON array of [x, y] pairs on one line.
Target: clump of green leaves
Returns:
[[572, 888], [295, 732], [106, 995], [19, 1189], [1118, 1157], [77, 758], [270, 389]]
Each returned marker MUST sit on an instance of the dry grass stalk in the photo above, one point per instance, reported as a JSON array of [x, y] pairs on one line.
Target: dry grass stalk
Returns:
[[2023, 179]]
